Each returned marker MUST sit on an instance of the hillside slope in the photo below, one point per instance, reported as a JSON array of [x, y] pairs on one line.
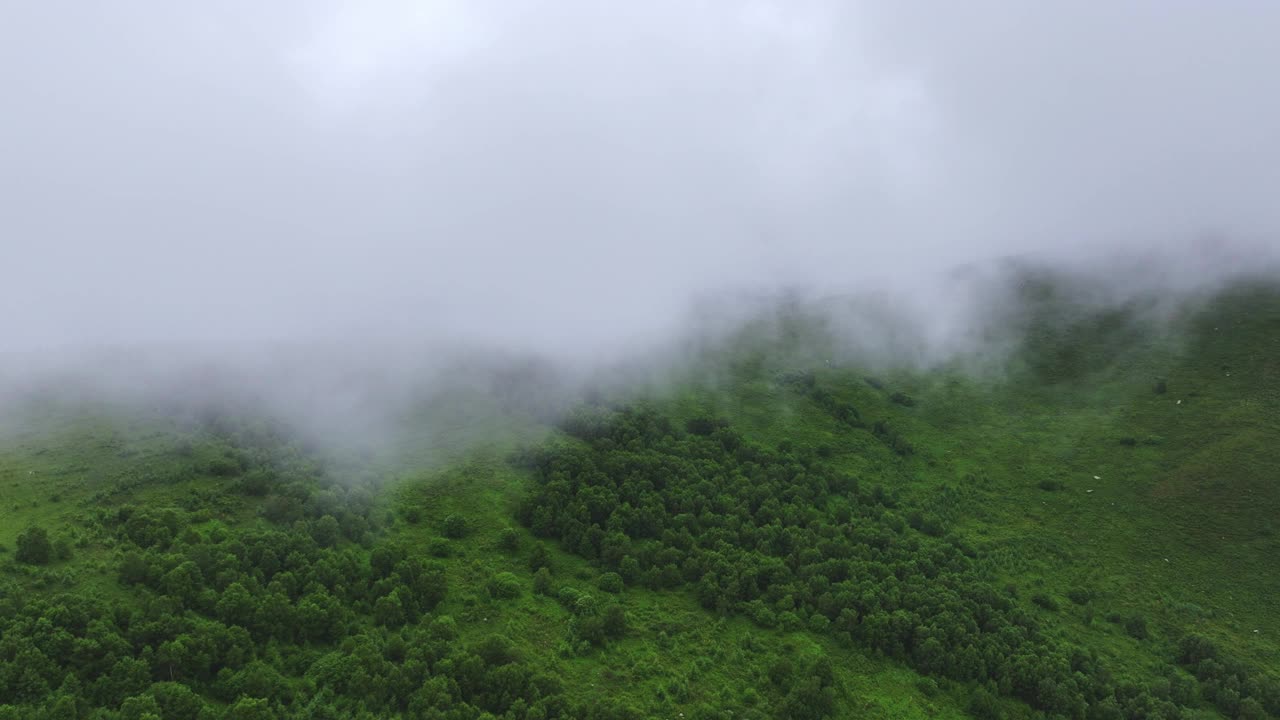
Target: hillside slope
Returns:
[[1089, 532]]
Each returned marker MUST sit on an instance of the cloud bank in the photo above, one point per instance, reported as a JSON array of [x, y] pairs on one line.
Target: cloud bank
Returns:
[[567, 177]]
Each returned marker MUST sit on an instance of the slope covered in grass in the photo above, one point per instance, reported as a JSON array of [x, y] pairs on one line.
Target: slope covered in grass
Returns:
[[1087, 532]]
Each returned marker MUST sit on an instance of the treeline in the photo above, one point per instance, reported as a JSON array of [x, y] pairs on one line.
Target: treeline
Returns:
[[787, 541]]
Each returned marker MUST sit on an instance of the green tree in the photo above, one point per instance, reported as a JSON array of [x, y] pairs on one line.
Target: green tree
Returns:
[[615, 621], [184, 582], [62, 549], [539, 558], [389, 610], [176, 700], [504, 586], [34, 547], [326, 531], [542, 581], [62, 708], [455, 527], [140, 707], [247, 708], [509, 540], [610, 582], [236, 606], [183, 658]]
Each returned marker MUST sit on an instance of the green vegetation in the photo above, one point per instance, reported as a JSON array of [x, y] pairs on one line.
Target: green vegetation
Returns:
[[1092, 536]]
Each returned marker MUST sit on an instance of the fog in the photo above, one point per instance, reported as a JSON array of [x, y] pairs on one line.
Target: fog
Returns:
[[373, 184]]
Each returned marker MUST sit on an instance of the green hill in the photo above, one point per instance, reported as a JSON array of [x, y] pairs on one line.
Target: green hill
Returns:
[[1087, 529]]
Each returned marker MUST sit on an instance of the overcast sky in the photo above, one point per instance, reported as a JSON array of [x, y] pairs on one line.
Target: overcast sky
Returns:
[[570, 174]]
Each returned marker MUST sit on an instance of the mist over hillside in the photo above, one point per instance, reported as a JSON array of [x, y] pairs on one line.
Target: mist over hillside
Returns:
[[567, 180], [333, 213], [575, 360]]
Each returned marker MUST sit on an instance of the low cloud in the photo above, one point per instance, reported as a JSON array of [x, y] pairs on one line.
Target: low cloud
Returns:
[[366, 186]]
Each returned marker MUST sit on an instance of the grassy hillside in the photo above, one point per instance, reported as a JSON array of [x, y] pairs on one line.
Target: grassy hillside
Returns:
[[1109, 493]]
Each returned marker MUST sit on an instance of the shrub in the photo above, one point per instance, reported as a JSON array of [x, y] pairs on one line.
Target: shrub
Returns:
[[542, 582], [62, 549], [439, 548], [615, 621], [509, 540], [1079, 596], [927, 523], [539, 558], [256, 483], [504, 586], [890, 437], [610, 582], [496, 650], [223, 467], [455, 527], [1136, 626], [133, 569], [928, 687], [780, 671], [1193, 648], [1045, 601]]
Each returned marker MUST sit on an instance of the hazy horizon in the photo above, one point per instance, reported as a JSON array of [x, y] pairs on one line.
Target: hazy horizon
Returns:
[[226, 182]]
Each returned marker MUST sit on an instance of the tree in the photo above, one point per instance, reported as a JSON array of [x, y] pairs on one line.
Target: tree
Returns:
[[509, 540], [455, 527], [184, 582], [1137, 627], [247, 708], [63, 708], [504, 586], [539, 558], [176, 700], [62, 549], [34, 547], [590, 628], [1193, 648], [389, 610], [542, 582], [615, 621], [326, 531], [1251, 709], [236, 606], [982, 705], [182, 658], [610, 582], [140, 707]]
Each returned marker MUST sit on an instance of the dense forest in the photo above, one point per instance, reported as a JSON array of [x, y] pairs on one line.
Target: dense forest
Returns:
[[311, 615], [787, 541]]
